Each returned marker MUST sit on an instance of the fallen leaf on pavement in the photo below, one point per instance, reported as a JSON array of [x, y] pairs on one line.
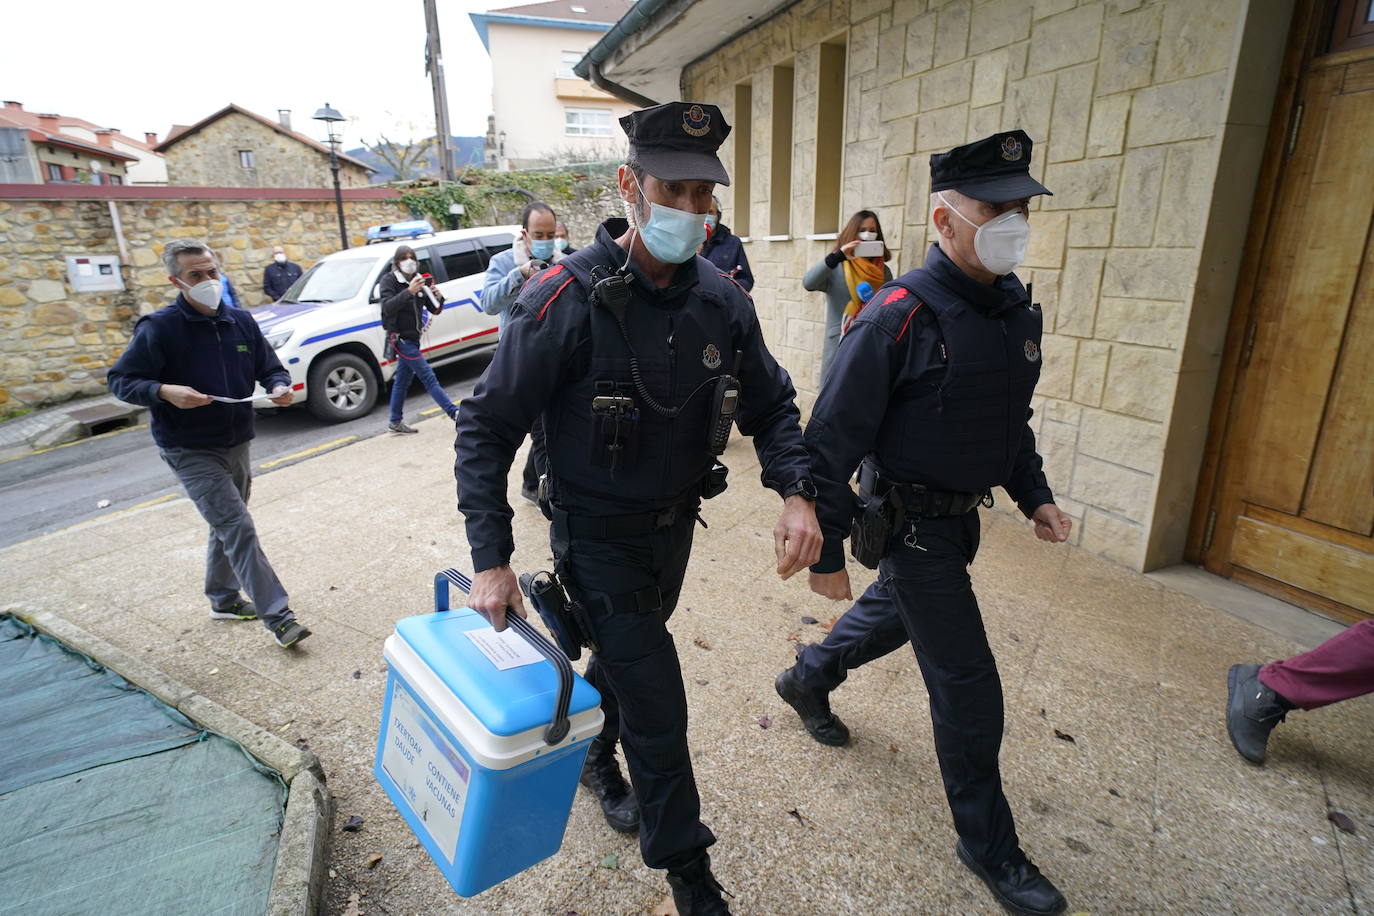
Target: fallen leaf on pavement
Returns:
[[793, 637], [333, 588], [830, 623], [1042, 712], [1077, 845], [892, 748], [702, 681], [1014, 637], [373, 860], [810, 620], [1114, 792], [801, 818], [765, 722], [213, 671], [357, 674], [352, 908], [1342, 821], [665, 907], [1064, 736], [353, 824], [611, 861], [303, 744], [701, 643]]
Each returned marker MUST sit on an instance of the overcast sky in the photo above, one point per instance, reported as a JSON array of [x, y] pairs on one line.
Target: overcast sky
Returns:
[[149, 64]]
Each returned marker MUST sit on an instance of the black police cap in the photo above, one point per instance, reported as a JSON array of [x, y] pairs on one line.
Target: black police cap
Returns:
[[677, 141], [995, 169]]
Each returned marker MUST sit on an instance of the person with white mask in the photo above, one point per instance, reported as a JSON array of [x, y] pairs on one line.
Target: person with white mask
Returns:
[[929, 399], [278, 276], [195, 363]]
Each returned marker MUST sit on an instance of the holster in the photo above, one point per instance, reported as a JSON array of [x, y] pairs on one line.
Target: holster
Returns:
[[564, 618], [877, 514]]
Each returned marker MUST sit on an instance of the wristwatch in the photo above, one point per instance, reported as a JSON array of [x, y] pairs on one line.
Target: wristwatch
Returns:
[[803, 488]]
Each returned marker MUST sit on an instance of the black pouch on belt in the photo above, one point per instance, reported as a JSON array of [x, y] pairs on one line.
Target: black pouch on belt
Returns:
[[876, 516], [550, 600]]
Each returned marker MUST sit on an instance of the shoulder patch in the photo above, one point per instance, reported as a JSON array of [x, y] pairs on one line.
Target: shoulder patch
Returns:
[[900, 292], [896, 306], [542, 289]]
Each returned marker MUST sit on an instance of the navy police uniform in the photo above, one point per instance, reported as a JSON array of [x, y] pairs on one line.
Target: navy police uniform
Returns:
[[625, 496], [931, 390]]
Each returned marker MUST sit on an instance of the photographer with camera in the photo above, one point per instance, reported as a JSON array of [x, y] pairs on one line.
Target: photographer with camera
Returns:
[[535, 249], [409, 298], [839, 274]]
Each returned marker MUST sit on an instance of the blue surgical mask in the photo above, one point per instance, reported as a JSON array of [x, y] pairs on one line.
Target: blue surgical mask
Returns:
[[542, 249], [561, 244], [672, 236], [711, 223]]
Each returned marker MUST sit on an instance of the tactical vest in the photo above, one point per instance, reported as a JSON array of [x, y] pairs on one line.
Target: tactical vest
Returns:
[[965, 431], [680, 353]]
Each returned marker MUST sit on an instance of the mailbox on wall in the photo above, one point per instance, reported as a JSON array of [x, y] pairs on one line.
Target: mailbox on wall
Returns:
[[91, 273]]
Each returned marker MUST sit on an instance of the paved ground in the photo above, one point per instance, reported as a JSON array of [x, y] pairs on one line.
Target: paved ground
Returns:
[[1147, 809]]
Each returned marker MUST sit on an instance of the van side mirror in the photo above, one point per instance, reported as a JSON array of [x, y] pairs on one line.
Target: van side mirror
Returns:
[[376, 293]]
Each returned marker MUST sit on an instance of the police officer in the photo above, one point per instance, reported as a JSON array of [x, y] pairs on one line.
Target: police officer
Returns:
[[930, 394], [626, 351]]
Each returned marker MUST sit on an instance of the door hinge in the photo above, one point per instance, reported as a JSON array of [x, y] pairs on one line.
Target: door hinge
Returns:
[[1293, 132], [1211, 529], [1249, 347]]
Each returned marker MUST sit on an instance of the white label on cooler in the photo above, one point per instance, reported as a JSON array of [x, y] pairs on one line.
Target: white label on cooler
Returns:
[[506, 649], [426, 768]]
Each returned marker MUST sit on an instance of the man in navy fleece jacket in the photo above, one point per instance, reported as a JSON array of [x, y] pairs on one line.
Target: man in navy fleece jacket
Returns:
[[180, 356]]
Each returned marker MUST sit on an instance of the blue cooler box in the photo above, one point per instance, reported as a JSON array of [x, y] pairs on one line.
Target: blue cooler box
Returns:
[[462, 750]]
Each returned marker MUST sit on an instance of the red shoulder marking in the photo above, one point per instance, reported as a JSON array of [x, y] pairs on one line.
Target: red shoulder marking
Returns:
[[896, 294], [555, 295], [906, 324], [549, 274]]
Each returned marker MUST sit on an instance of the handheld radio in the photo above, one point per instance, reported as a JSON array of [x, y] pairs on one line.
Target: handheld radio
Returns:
[[723, 407]]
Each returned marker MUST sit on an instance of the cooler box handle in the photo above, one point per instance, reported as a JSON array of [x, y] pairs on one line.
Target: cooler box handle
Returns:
[[558, 728]]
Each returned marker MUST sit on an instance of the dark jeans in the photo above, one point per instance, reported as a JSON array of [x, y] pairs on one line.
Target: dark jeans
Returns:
[[640, 680], [923, 595], [411, 363], [219, 481]]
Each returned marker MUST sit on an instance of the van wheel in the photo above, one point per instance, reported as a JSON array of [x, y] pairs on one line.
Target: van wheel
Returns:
[[342, 387]]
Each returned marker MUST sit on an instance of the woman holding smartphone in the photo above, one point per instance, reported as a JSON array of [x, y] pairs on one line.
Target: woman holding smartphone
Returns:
[[408, 299], [860, 256]]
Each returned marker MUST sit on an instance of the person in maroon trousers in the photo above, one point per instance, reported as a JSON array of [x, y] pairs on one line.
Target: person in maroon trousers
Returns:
[[1259, 697]]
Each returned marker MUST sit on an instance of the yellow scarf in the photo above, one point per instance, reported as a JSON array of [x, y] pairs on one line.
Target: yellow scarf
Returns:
[[856, 271]]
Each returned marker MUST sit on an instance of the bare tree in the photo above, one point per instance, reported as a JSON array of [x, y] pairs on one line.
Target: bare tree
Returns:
[[406, 160]]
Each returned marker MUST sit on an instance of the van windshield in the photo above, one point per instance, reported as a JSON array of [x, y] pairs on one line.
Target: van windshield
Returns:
[[331, 281]]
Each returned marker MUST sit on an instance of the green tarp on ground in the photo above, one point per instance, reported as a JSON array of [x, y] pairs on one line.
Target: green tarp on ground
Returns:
[[113, 802]]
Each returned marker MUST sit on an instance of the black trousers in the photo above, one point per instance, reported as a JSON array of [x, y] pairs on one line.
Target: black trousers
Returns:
[[923, 595], [535, 462], [640, 679]]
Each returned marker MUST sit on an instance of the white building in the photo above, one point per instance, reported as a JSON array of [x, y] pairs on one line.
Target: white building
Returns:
[[544, 114]]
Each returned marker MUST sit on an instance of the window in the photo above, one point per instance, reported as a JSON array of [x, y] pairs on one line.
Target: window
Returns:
[[114, 179], [566, 63], [829, 138], [743, 136], [780, 188], [1352, 25], [246, 160], [54, 172], [462, 259], [587, 122], [495, 244]]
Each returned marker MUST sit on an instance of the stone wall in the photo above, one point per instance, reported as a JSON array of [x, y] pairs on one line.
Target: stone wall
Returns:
[[56, 344], [210, 158], [1130, 104]]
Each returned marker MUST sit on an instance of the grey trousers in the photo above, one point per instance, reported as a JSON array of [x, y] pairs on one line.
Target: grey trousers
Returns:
[[218, 481]]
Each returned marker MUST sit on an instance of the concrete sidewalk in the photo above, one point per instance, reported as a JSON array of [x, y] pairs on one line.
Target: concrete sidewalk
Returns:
[[1146, 809]]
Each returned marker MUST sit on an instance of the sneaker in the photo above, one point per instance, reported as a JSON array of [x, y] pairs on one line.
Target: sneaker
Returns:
[[1252, 711], [401, 428], [239, 610], [813, 707], [1017, 884], [696, 892], [601, 774], [290, 633]]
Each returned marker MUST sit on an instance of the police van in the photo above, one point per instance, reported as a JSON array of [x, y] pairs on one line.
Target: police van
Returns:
[[327, 328]]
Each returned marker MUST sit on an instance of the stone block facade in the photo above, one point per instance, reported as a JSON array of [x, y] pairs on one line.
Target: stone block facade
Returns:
[[1129, 103], [210, 158], [56, 343]]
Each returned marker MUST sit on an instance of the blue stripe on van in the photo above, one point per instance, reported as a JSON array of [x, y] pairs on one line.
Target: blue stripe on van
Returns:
[[377, 324]]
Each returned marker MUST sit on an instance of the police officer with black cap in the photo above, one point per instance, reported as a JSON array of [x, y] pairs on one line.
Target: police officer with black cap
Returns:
[[929, 398], [638, 355]]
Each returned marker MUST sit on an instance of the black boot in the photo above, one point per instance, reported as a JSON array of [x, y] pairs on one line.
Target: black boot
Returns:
[[601, 774], [1017, 884], [696, 892], [814, 709], [1252, 711]]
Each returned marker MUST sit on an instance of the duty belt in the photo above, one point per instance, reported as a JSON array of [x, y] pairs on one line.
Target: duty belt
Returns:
[[607, 527], [919, 501]]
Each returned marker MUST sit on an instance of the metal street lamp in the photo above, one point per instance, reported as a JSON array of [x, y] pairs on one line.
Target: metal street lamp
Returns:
[[334, 135]]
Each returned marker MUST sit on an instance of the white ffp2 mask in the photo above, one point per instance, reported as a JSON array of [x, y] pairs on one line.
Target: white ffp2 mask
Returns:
[[1001, 242]]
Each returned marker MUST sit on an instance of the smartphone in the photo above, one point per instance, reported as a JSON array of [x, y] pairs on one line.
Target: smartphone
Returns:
[[869, 250]]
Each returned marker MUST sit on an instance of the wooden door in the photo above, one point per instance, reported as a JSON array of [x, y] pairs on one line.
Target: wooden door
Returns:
[[1292, 508]]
